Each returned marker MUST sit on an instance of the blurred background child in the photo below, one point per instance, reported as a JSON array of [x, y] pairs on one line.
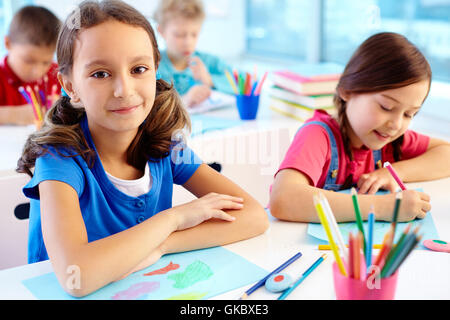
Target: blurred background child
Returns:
[[31, 43], [193, 73]]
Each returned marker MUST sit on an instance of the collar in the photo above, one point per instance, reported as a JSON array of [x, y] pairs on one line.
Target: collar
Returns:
[[9, 74]]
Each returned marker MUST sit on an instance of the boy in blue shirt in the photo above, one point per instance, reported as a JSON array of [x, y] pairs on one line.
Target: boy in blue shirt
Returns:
[[193, 73]]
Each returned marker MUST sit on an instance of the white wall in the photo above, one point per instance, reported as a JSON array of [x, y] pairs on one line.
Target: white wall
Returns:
[[223, 32]]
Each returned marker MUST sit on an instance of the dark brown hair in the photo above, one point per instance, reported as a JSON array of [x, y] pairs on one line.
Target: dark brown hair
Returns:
[[62, 122], [384, 61], [34, 25]]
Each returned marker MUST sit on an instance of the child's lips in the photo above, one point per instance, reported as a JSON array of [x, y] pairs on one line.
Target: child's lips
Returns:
[[125, 110], [382, 136]]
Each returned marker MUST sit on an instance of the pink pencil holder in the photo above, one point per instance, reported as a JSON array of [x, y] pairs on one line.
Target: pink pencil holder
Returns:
[[347, 288]]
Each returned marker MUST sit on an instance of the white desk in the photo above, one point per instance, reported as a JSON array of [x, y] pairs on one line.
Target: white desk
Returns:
[[424, 275]]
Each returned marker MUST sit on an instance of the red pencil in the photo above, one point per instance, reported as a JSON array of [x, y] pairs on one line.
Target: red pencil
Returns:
[[260, 84], [248, 84], [387, 246]]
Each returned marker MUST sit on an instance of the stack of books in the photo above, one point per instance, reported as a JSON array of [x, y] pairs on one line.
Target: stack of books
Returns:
[[297, 96]]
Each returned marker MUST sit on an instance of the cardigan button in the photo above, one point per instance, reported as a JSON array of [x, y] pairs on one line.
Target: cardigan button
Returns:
[[140, 204]]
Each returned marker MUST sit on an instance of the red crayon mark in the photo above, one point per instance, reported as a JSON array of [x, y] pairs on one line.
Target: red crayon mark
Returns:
[[171, 266], [278, 278]]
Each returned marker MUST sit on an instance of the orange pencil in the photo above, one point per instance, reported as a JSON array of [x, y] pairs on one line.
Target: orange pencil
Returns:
[[248, 84], [357, 256], [385, 250], [351, 244]]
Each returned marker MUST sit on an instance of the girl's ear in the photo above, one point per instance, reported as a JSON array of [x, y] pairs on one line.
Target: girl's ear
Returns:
[[343, 95], [66, 84]]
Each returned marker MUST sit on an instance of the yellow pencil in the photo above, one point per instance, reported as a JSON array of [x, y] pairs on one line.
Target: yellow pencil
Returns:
[[230, 79], [324, 222], [328, 247], [35, 103]]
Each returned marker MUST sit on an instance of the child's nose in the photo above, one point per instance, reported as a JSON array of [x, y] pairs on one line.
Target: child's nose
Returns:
[[395, 123], [122, 86]]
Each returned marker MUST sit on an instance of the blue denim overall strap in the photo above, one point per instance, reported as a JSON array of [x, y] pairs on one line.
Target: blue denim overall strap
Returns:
[[377, 159], [330, 182]]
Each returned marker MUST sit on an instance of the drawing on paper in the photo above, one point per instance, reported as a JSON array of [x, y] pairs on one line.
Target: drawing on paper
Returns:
[[136, 291], [195, 272], [189, 296], [170, 267]]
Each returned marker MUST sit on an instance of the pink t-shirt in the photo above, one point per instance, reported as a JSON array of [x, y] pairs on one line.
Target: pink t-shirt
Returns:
[[310, 152]]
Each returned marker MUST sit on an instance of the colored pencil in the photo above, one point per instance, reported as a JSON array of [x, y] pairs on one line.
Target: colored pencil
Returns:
[[303, 277], [398, 251], [43, 99], [351, 250], [260, 84], [359, 221], [387, 245], [231, 81], [326, 226], [247, 84], [252, 93], [398, 200], [334, 226], [394, 174], [397, 246], [241, 84], [236, 76], [35, 103], [403, 256], [324, 247], [261, 282], [371, 220], [357, 256], [28, 99], [25, 95]]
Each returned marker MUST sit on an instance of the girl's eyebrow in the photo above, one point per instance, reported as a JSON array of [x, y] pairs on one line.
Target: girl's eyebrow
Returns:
[[395, 100], [104, 62]]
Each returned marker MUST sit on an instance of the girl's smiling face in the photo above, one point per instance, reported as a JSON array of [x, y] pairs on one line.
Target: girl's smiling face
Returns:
[[113, 76], [376, 119]]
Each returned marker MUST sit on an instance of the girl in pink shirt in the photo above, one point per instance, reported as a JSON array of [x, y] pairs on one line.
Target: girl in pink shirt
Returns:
[[381, 89]]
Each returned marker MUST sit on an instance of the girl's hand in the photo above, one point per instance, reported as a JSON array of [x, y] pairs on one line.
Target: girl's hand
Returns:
[[210, 206], [197, 94], [414, 205], [370, 183], [200, 72]]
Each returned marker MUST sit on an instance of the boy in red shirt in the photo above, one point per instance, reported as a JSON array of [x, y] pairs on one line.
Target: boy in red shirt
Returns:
[[31, 43]]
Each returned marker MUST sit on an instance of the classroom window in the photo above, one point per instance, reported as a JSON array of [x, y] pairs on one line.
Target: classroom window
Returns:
[[424, 22], [278, 28], [7, 10], [284, 28]]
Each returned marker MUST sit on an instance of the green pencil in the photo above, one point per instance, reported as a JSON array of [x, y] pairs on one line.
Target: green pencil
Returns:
[[359, 221], [401, 259], [407, 246], [399, 243]]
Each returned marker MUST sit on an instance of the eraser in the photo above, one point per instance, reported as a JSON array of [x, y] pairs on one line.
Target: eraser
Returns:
[[278, 282], [437, 245]]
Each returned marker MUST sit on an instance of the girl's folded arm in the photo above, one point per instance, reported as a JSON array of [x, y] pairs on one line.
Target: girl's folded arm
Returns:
[[433, 164], [292, 200], [250, 221], [99, 262]]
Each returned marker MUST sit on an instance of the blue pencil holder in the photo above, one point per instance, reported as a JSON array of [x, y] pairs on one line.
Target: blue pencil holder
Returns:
[[247, 106]]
